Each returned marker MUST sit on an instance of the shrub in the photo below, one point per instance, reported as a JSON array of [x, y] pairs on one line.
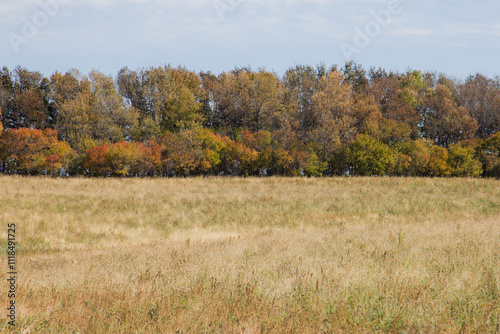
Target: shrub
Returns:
[[463, 161], [368, 156], [29, 152], [489, 155]]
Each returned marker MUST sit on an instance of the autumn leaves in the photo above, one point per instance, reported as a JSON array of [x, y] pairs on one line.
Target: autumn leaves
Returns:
[[312, 121]]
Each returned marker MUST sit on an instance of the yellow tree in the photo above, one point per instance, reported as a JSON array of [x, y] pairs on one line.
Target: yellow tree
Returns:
[[96, 114], [182, 106], [167, 99]]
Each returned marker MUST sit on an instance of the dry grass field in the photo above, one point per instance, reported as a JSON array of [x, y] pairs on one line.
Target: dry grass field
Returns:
[[273, 255]]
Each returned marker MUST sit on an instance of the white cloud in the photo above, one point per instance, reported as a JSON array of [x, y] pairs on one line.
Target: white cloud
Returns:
[[485, 29], [412, 31]]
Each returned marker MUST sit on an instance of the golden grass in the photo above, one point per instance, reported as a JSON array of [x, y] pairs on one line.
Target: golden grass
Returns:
[[217, 255]]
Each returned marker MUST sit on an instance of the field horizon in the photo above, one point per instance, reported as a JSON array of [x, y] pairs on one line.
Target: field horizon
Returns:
[[253, 255]]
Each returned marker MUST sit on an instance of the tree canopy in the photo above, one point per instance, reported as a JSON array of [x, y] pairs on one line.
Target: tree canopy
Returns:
[[311, 121]]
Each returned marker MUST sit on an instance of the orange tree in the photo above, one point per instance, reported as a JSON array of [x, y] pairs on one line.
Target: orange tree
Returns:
[[192, 152], [421, 158], [30, 152], [123, 159]]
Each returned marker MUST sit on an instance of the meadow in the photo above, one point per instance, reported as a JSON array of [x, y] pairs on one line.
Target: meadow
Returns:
[[253, 255]]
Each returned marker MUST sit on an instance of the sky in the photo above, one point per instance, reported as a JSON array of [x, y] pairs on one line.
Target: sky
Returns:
[[455, 37]]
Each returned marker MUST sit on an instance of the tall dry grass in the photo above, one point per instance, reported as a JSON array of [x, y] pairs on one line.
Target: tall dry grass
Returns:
[[216, 255]]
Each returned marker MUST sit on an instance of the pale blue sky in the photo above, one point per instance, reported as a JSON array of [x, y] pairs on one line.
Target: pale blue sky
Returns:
[[453, 36]]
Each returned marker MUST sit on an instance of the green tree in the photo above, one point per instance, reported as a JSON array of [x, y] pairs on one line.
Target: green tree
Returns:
[[313, 166], [368, 156], [489, 155], [463, 161]]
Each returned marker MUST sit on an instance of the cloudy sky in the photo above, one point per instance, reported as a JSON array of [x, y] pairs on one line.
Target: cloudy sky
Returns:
[[457, 37]]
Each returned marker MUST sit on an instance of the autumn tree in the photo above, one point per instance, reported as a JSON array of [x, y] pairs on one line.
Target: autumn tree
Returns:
[[301, 82], [355, 75], [60, 156], [281, 162], [366, 113], [29, 151], [422, 158], [123, 159], [332, 113], [245, 99], [143, 91], [240, 160], [24, 99], [168, 99], [260, 142], [95, 162], [463, 161], [398, 97], [368, 156], [390, 132], [481, 97], [97, 113], [443, 121], [183, 106], [191, 152], [489, 155], [66, 87], [6, 95]]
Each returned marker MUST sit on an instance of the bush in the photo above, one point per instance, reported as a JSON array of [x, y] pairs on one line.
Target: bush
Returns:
[[123, 159], [489, 155], [368, 156], [421, 158], [33, 152], [463, 161]]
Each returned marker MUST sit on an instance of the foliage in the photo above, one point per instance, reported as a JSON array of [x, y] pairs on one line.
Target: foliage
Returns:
[[310, 121], [28, 151], [443, 120], [463, 161], [489, 155], [368, 156], [123, 159], [421, 158], [313, 165]]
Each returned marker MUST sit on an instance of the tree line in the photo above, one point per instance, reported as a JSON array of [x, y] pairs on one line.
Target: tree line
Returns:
[[313, 121]]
